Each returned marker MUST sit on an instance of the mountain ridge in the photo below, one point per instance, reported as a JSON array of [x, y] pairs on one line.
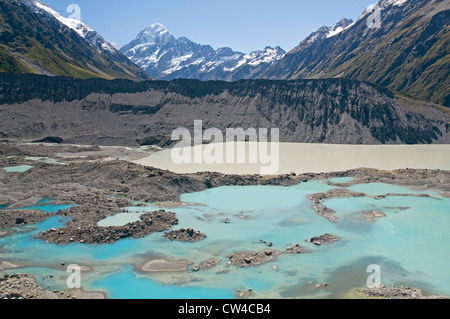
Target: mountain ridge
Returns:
[[33, 40], [166, 57], [122, 112], [409, 53]]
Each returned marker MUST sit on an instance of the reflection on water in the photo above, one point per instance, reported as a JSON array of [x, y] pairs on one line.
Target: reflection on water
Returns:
[[409, 244]]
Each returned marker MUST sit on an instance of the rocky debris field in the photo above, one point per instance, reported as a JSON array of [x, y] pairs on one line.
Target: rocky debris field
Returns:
[[210, 263], [371, 215], [324, 239], [186, 235], [100, 188], [250, 258], [17, 217], [402, 292], [295, 249], [93, 234], [323, 210], [206, 264], [130, 181], [318, 198], [24, 286], [326, 212]]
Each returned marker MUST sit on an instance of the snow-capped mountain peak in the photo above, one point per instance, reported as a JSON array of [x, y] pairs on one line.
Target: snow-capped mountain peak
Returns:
[[82, 29], [163, 56], [342, 25], [325, 32], [88, 34], [382, 4], [397, 3], [156, 28], [152, 33]]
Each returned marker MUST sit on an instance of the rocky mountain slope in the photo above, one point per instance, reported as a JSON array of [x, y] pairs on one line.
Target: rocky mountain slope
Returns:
[[122, 112], [409, 52], [36, 39], [165, 57]]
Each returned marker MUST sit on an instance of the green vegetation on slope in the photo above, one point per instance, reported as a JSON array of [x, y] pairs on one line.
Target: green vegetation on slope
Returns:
[[410, 53], [28, 44]]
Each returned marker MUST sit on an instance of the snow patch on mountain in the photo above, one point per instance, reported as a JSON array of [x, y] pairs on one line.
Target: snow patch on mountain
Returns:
[[381, 4], [334, 32], [82, 29], [78, 26], [397, 3], [342, 25]]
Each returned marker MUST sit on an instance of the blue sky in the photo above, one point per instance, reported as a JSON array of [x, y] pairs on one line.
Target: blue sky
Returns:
[[243, 25]]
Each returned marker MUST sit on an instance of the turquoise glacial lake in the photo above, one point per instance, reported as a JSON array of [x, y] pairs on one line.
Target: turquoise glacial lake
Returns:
[[18, 169], [410, 245]]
